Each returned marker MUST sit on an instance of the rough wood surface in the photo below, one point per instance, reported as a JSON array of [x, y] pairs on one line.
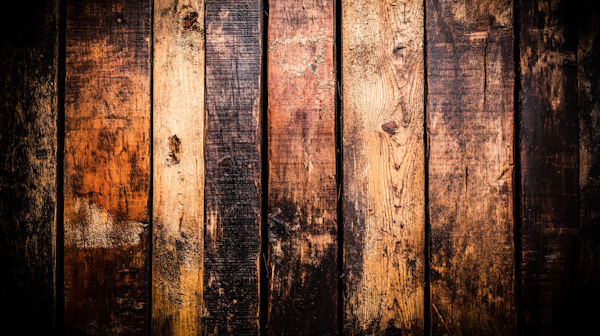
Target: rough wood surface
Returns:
[[589, 160], [107, 167], [383, 167], [549, 166], [233, 167], [470, 67], [303, 275], [178, 186], [28, 138]]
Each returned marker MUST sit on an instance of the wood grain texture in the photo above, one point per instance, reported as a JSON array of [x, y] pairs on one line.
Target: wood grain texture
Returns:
[[233, 167], [178, 187], [549, 166], [107, 167], [383, 166], [303, 279], [589, 160], [28, 147], [470, 67]]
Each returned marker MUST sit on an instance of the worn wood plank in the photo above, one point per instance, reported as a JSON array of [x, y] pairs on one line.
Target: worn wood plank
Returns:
[[303, 277], [549, 166], [470, 125], [589, 160], [107, 167], [28, 147], [233, 167], [178, 185], [383, 167]]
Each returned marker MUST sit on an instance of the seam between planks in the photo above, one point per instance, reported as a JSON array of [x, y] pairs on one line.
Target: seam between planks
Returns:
[[427, 289]]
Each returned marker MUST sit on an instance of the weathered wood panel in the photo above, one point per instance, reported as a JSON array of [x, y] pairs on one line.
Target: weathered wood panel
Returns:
[[303, 279], [383, 166], [589, 160], [549, 166], [28, 157], [470, 103], [233, 167], [178, 185], [107, 167]]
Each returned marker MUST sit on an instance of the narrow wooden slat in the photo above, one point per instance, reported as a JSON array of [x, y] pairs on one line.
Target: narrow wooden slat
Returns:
[[470, 98], [383, 166], [107, 167], [178, 187], [28, 140], [233, 167], [302, 178], [549, 166], [589, 160]]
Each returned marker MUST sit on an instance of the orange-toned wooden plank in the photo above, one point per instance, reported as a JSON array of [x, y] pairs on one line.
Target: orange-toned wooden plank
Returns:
[[384, 167], [107, 167], [303, 237]]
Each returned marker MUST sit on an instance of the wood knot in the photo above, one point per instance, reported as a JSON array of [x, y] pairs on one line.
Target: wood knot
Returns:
[[174, 149], [389, 127]]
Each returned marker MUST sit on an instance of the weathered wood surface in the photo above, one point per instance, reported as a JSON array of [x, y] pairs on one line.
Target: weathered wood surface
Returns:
[[178, 185], [107, 167], [303, 276], [233, 167], [28, 157], [589, 160], [383, 166], [470, 104], [549, 167]]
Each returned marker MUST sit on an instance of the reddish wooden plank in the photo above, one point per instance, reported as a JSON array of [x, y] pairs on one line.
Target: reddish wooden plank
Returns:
[[233, 167], [470, 108], [107, 167], [302, 178], [178, 186], [28, 158]]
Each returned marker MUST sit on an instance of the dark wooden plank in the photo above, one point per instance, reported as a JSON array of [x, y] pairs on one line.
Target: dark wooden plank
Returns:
[[549, 166], [470, 98], [384, 167], [107, 167], [28, 139], [233, 167], [589, 161], [303, 279], [178, 185]]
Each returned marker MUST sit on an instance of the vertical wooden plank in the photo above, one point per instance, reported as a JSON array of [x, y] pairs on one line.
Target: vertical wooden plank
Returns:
[[549, 166], [303, 247], [383, 167], [28, 140], [107, 167], [233, 166], [589, 160], [178, 195], [470, 108]]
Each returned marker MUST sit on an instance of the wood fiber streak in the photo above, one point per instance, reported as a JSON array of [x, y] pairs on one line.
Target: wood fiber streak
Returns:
[[233, 167], [549, 167], [470, 67], [107, 167], [383, 159], [178, 195], [302, 173], [589, 160], [28, 139]]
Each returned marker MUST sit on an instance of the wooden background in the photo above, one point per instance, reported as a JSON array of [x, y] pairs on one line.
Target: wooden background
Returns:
[[295, 167]]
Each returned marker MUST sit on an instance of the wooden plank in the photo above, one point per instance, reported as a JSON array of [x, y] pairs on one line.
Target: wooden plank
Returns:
[[383, 167], [28, 143], [589, 160], [549, 166], [178, 186], [107, 167], [303, 279], [470, 104], [233, 167]]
